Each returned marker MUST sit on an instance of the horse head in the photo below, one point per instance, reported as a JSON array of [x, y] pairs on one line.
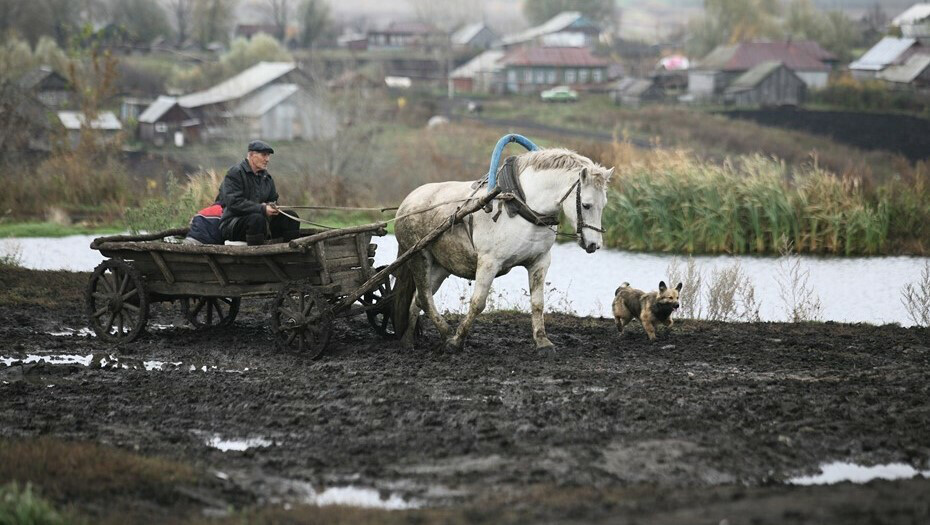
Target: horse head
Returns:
[[582, 186]]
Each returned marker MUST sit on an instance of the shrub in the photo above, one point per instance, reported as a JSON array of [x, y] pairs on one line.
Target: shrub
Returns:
[[731, 296], [916, 298], [799, 298], [22, 506]]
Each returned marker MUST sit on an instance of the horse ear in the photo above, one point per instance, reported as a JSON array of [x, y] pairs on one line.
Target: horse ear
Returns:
[[608, 174], [584, 174]]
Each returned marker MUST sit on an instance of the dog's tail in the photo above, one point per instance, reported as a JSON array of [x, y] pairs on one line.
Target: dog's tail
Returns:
[[622, 286]]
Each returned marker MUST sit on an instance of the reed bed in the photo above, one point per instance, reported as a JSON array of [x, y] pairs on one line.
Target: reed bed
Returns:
[[674, 202]]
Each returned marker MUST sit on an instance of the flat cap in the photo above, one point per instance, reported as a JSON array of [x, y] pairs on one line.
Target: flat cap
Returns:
[[260, 146]]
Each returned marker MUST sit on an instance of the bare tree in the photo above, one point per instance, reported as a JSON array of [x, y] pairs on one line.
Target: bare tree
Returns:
[[181, 12], [314, 21], [213, 19], [280, 11]]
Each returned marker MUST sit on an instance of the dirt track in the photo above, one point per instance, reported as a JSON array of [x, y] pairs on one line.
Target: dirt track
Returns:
[[707, 423]]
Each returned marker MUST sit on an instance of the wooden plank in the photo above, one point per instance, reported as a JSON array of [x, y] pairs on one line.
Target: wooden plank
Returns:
[[361, 245], [275, 269], [162, 266], [321, 259], [220, 276], [213, 249], [466, 210], [132, 238], [218, 290], [380, 228]]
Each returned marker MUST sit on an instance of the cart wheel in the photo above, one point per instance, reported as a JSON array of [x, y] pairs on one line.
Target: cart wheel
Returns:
[[210, 312], [379, 306], [117, 305], [301, 320]]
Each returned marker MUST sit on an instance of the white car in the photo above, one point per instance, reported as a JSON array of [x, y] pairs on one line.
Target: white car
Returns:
[[559, 94]]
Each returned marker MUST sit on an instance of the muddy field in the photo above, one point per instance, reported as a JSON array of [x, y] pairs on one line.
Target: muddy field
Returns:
[[707, 424]]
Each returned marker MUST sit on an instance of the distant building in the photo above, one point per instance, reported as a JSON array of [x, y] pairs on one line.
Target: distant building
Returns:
[[914, 22], [480, 74], [913, 74], [267, 100], [767, 84], [566, 29], [165, 117], [106, 123], [475, 36], [889, 51], [635, 92], [714, 73], [534, 69], [48, 87], [403, 35]]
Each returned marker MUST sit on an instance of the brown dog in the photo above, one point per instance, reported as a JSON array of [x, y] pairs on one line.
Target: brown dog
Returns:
[[649, 308]]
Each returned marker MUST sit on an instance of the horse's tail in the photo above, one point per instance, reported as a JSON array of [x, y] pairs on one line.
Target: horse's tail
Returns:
[[404, 289]]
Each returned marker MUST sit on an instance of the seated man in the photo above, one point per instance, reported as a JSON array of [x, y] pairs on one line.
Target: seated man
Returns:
[[248, 195]]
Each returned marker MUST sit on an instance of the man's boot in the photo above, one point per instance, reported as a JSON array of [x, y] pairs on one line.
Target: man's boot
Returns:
[[290, 235], [255, 240]]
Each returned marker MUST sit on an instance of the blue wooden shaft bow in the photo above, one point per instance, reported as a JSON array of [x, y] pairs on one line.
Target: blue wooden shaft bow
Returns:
[[496, 156]]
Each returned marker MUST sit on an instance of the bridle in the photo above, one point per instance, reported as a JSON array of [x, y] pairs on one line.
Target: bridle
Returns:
[[580, 224]]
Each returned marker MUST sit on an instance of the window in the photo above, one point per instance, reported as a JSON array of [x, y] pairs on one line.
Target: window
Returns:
[[161, 127], [512, 76], [570, 76], [550, 76], [597, 76], [528, 76], [540, 76], [583, 76]]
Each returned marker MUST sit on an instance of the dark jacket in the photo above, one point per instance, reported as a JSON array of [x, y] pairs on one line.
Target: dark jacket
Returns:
[[243, 192]]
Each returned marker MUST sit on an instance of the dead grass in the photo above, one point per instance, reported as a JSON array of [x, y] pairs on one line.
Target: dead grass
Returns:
[[81, 472]]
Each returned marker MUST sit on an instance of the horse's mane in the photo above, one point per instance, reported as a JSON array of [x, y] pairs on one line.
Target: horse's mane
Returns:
[[561, 159]]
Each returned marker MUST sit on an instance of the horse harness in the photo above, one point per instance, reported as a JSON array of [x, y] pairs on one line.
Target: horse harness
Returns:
[[513, 200]]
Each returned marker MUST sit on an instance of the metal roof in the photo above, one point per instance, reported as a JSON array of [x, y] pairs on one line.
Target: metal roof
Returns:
[[754, 76], [908, 71], [261, 102], [464, 35], [238, 86], [634, 86], [883, 54], [747, 55], [106, 120], [915, 13], [487, 61], [157, 109], [559, 22], [553, 56]]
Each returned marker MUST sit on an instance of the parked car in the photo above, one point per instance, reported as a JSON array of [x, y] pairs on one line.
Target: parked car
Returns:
[[560, 94]]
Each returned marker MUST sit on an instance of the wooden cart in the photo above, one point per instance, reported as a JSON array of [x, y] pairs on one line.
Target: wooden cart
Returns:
[[313, 279]]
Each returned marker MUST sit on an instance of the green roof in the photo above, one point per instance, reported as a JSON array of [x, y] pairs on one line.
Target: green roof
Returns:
[[754, 76]]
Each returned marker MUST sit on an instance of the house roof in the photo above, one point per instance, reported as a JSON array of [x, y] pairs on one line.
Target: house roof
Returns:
[[261, 102], [560, 22], [813, 49], [465, 35], [106, 120], [157, 109], [747, 55], [754, 76], [634, 86], [553, 56], [407, 28], [238, 86], [908, 71], [915, 13], [487, 61], [883, 54], [42, 75]]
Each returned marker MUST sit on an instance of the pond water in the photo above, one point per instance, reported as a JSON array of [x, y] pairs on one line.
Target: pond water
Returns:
[[850, 289]]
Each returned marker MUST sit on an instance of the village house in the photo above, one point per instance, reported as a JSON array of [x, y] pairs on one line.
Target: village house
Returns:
[[48, 87], [475, 36], [634, 92], [534, 69], [160, 123], [710, 77], [106, 124], [767, 84], [914, 22], [569, 28], [889, 51], [480, 74], [403, 35], [913, 74], [267, 100]]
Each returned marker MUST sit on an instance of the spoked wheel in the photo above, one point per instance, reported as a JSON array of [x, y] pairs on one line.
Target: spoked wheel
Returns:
[[301, 320], [210, 312], [379, 306], [117, 305]]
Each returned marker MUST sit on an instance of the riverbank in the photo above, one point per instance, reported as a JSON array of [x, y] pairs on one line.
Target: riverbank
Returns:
[[713, 421]]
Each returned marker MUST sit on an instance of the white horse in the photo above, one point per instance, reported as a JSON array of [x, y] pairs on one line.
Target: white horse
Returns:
[[488, 245]]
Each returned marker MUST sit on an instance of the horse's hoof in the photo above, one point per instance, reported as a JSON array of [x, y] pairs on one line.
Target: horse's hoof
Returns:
[[546, 351], [451, 346], [544, 343]]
